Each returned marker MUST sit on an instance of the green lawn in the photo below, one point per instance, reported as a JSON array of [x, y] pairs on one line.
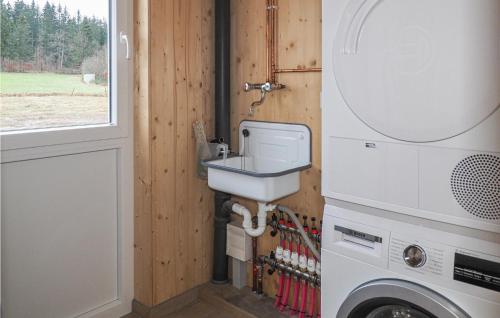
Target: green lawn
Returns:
[[45, 100], [46, 84]]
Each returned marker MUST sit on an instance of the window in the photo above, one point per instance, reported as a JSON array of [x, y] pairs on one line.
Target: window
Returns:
[[55, 69], [59, 59]]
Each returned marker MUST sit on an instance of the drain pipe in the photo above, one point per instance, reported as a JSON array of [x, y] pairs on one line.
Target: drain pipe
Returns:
[[247, 218], [222, 133]]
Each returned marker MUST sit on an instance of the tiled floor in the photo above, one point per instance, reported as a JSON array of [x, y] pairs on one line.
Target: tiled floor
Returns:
[[225, 301], [202, 309], [245, 300]]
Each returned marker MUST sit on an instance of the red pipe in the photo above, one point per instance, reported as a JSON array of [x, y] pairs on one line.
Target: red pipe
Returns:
[[277, 301], [288, 278], [284, 299], [312, 304], [296, 289], [303, 303]]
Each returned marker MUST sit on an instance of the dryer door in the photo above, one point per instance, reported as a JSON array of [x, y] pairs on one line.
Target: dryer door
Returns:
[[419, 71], [390, 298]]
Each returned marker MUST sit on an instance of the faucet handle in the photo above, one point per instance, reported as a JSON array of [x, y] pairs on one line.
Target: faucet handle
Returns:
[[252, 86]]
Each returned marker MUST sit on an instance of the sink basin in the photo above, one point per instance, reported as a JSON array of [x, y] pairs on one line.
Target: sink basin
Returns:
[[268, 167]]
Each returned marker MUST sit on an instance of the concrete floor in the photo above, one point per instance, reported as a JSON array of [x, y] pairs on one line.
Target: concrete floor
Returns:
[[225, 301]]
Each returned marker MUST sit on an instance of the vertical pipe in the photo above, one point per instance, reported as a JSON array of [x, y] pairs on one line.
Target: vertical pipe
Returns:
[[260, 278], [222, 132], [312, 304], [275, 40], [254, 260], [221, 218], [268, 40], [222, 75]]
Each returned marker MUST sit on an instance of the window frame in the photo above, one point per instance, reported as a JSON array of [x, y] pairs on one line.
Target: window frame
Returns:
[[120, 97]]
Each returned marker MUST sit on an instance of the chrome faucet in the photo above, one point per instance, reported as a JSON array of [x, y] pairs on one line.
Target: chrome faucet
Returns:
[[264, 88], [224, 150]]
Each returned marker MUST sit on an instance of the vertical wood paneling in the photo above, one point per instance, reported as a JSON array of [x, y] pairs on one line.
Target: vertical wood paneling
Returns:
[[300, 46], [163, 109], [143, 269], [174, 87], [180, 80], [299, 34], [203, 200]]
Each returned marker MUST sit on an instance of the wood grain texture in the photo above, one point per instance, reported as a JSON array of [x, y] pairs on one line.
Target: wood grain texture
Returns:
[[143, 269], [179, 45], [300, 45], [174, 87]]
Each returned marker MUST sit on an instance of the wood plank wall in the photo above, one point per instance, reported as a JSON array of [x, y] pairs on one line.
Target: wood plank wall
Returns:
[[299, 46], [143, 269], [174, 87]]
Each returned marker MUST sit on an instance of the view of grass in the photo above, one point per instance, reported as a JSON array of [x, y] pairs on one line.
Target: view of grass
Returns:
[[47, 83], [46, 100]]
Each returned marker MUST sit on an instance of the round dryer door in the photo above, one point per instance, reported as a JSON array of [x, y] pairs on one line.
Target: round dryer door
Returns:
[[419, 71], [393, 298]]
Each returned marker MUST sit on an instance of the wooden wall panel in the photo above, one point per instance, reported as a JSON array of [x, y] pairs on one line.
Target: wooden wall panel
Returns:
[[300, 45], [174, 87], [180, 59], [143, 269]]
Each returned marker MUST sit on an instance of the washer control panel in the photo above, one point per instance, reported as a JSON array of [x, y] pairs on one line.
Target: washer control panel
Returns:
[[417, 256]]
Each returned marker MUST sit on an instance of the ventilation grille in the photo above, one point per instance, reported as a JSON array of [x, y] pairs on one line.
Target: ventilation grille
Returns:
[[475, 183]]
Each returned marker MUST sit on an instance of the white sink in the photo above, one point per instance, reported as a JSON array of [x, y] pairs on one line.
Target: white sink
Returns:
[[271, 157]]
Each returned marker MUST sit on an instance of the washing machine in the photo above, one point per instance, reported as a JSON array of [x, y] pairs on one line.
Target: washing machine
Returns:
[[410, 108], [379, 266]]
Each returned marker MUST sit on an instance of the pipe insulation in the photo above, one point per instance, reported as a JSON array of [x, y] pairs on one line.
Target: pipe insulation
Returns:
[[300, 228], [247, 217]]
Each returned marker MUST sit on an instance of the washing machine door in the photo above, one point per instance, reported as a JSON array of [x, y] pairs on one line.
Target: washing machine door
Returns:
[[392, 298], [419, 71]]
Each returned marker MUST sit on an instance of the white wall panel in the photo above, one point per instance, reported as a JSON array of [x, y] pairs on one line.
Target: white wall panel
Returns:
[[60, 235]]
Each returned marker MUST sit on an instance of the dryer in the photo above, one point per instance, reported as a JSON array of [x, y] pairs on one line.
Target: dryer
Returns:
[[376, 267], [410, 101]]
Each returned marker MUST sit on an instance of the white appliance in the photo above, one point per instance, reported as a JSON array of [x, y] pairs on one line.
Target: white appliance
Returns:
[[411, 92], [378, 267]]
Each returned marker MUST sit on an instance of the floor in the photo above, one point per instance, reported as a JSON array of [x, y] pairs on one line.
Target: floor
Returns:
[[225, 301]]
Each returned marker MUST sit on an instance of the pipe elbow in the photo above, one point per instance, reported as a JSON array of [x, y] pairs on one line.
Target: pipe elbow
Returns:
[[239, 209], [247, 218]]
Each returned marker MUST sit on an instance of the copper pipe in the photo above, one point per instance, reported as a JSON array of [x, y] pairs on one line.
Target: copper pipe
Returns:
[[268, 44], [254, 259], [272, 45], [274, 39], [297, 70]]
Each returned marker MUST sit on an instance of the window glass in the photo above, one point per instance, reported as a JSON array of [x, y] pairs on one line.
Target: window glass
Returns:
[[54, 64]]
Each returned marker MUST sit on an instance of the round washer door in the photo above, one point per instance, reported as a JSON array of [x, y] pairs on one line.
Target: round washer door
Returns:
[[419, 71], [391, 298]]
